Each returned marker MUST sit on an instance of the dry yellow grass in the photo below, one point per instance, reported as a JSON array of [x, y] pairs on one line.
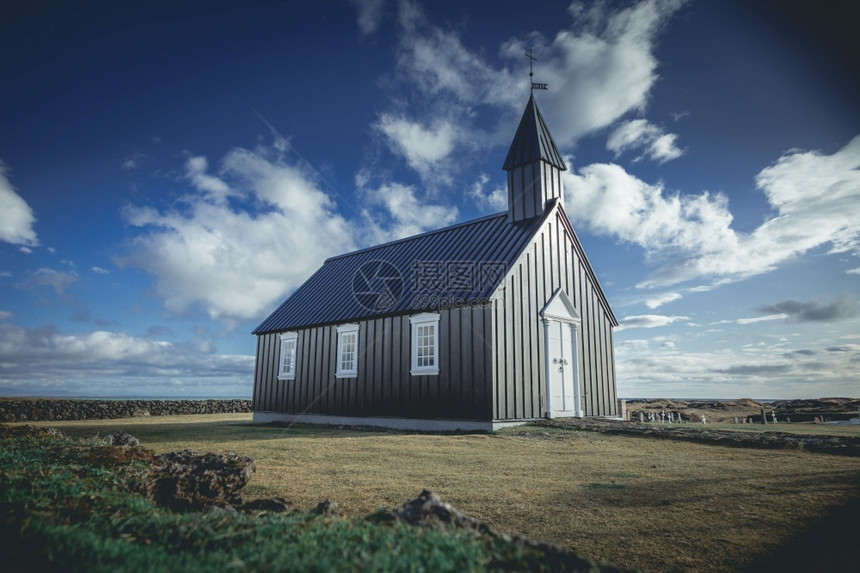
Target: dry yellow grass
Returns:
[[805, 428], [639, 502]]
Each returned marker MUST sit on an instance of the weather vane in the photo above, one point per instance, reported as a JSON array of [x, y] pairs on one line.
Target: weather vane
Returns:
[[532, 60]]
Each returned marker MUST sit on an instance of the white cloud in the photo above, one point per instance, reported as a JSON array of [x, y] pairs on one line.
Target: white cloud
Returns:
[[662, 299], [664, 148], [608, 200], [216, 189], [238, 259], [650, 368], [16, 216], [842, 308], [492, 201], [34, 360], [422, 147], [100, 271], [853, 271], [242, 240], [767, 318], [647, 321], [631, 134], [436, 63], [134, 161], [58, 280], [601, 68], [816, 198], [369, 15], [640, 134], [404, 213]]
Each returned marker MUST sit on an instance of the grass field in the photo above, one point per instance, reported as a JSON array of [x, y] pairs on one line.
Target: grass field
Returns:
[[639, 502], [799, 428]]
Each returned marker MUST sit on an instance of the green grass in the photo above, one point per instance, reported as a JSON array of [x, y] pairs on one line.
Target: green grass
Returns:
[[804, 428], [65, 505], [612, 485], [682, 505]]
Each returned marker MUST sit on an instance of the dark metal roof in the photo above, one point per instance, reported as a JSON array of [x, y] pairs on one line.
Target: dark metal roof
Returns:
[[533, 141], [459, 264]]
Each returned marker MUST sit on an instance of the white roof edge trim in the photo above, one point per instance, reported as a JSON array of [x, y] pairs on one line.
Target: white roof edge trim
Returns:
[[561, 308]]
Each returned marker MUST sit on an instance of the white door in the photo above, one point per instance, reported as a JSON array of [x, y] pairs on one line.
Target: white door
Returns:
[[561, 367]]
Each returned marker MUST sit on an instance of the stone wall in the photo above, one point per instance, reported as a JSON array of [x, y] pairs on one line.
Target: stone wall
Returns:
[[57, 410]]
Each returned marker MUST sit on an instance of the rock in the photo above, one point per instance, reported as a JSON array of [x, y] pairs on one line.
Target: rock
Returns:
[[429, 511], [122, 439], [20, 410], [327, 508], [31, 431], [58, 434], [187, 480], [269, 505]]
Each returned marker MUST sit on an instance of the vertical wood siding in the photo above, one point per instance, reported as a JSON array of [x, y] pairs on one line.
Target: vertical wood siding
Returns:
[[383, 385], [491, 359], [553, 260], [530, 187]]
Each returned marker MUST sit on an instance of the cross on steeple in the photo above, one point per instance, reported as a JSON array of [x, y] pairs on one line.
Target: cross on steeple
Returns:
[[532, 60]]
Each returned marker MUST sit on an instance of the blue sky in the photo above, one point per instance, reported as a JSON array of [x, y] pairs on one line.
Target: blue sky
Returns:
[[171, 173]]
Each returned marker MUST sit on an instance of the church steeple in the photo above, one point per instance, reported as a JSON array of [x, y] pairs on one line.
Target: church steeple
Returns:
[[534, 167]]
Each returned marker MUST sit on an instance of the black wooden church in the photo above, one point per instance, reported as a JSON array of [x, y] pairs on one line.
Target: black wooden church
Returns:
[[479, 325]]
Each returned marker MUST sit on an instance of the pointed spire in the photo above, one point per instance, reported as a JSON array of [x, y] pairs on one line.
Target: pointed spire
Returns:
[[533, 141], [534, 167]]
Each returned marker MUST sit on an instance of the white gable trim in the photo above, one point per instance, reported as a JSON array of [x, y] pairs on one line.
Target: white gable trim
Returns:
[[561, 308]]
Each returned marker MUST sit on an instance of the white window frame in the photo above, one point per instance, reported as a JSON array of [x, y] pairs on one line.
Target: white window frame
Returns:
[[342, 332], [289, 343], [424, 319]]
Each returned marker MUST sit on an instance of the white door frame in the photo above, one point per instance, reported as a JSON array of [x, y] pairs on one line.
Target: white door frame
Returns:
[[560, 309]]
